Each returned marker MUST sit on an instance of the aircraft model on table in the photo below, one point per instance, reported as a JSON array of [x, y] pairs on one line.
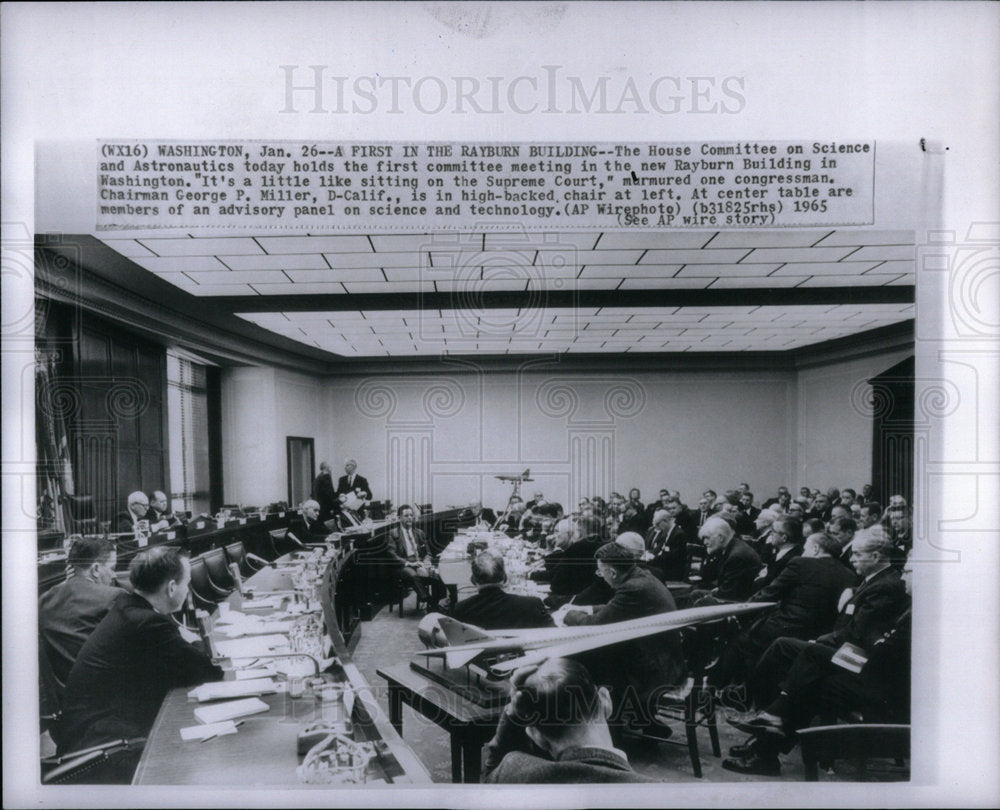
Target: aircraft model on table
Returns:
[[459, 643], [517, 479]]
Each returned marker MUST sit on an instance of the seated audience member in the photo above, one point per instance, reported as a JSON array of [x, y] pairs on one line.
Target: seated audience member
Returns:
[[704, 511], [571, 570], [864, 615], [746, 505], [69, 612], [634, 516], [842, 530], [811, 525], [134, 657], [160, 516], [667, 543], [817, 683], [479, 517], [784, 543], [847, 497], [137, 509], [306, 527], [635, 669], [782, 493], [762, 525], [871, 513], [492, 608], [839, 511], [796, 510], [555, 730], [408, 548], [821, 507], [731, 565], [599, 592], [807, 592]]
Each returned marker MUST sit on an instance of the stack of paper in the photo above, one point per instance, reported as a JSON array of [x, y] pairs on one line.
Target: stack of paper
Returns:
[[252, 646], [212, 730], [218, 712], [219, 690]]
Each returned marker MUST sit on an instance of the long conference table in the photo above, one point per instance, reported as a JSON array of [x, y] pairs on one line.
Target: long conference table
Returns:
[[263, 751]]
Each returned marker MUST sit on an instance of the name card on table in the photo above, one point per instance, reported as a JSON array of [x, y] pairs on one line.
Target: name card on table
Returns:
[[219, 690]]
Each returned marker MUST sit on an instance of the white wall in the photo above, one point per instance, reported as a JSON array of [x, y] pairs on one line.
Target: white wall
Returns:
[[835, 422], [443, 439], [262, 406]]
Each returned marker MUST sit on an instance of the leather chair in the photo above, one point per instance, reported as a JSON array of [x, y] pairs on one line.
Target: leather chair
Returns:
[[237, 553], [79, 510], [205, 595], [108, 763], [218, 569]]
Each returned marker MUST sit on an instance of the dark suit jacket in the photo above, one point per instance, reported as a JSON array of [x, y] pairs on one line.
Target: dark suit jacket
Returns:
[[669, 553], [124, 670], [574, 766], [396, 548], [487, 516], [494, 609], [67, 615], [155, 517], [360, 482], [308, 531], [571, 570], [732, 571], [807, 592], [774, 566], [324, 494], [688, 519], [643, 664], [123, 522], [870, 612]]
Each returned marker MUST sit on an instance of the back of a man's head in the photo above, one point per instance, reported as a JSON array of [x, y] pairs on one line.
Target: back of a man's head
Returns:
[[154, 568], [616, 555], [488, 569], [86, 551], [557, 699]]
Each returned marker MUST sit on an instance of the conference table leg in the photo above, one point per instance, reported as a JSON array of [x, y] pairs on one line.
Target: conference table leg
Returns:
[[456, 756], [471, 758]]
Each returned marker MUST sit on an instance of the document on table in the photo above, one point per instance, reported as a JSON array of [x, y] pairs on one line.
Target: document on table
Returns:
[[218, 690], [218, 712], [252, 646], [203, 732]]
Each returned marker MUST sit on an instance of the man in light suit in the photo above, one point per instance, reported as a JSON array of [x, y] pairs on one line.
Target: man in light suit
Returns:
[[409, 551]]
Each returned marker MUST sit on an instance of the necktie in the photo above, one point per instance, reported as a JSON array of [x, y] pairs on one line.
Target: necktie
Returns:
[[411, 550]]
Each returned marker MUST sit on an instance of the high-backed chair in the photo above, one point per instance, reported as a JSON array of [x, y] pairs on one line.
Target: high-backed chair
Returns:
[[218, 569], [80, 514], [206, 595], [237, 553]]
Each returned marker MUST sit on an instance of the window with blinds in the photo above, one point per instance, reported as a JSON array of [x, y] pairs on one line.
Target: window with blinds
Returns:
[[187, 408]]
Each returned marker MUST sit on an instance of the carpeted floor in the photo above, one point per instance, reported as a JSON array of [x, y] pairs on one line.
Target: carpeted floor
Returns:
[[389, 639]]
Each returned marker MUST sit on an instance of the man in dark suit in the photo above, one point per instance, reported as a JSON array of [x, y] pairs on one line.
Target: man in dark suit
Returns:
[[864, 616], [731, 565], [667, 543], [492, 608], [324, 494], [476, 515], [784, 544], [408, 549], [307, 528], [134, 657], [635, 669], [555, 730], [351, 482], [159, 515], [807, 592], [876, 680], [69, 612], [747, 507], [137, 509], [571, 569]]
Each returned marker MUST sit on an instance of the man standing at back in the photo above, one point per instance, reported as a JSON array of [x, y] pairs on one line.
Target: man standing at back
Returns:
[[351, 482], [323, 493], [134, 656]]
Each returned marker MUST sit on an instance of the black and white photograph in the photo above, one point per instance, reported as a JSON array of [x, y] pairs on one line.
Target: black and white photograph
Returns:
[[452, 404]]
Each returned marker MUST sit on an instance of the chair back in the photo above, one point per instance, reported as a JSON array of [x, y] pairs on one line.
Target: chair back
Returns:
[[218, 569], [202, 590], [81, 514], [237, 553]]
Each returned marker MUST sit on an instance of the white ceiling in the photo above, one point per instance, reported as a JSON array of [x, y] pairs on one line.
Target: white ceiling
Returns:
[[469, 264]]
